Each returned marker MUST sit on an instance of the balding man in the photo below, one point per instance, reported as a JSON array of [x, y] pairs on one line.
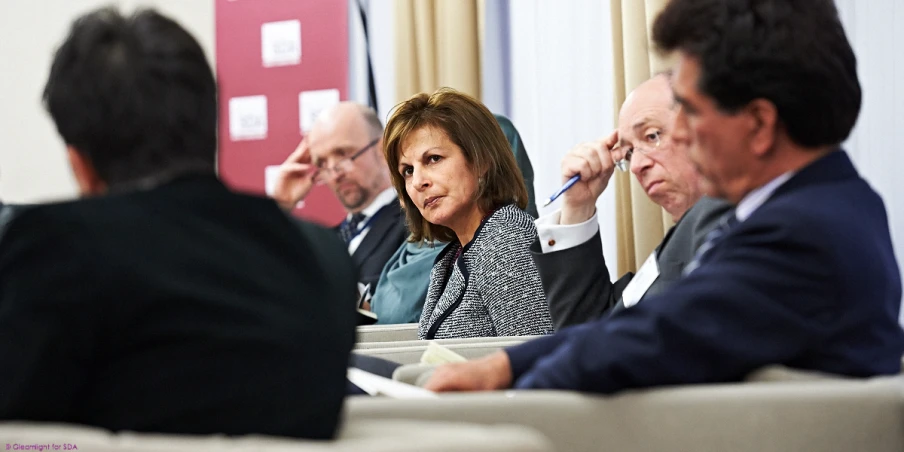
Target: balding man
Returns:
[[802, 274], [344, 150], [569, 250]]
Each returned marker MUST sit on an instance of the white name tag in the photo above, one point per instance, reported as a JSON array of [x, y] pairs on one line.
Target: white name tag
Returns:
[[641, 282]]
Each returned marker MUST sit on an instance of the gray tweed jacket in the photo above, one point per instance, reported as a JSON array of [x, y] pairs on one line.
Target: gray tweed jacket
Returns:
[[492, 289]]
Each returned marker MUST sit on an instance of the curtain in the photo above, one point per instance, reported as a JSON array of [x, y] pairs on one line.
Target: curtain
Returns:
[[437, 45], [640, 223]]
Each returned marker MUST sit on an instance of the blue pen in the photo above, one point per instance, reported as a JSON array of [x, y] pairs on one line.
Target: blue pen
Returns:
[[565, 187]]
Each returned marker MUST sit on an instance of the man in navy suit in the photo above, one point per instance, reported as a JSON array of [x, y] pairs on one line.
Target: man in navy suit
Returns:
[[803, 274]]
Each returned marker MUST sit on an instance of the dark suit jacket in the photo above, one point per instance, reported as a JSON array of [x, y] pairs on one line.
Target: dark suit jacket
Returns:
[[387, 232], [576, 280], [808, 281], [185, 308], [6, 214]]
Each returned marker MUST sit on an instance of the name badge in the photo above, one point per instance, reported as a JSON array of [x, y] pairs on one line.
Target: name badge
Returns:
[[641, 282]]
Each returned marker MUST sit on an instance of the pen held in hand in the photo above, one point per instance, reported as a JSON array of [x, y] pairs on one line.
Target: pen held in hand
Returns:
[[564, 188]]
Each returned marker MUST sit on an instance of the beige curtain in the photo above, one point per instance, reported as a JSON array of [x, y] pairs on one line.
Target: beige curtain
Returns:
[[437, 44], [640, 223]]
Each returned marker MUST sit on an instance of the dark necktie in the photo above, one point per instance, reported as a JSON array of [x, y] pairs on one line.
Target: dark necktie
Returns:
[[349, 228], [713, 238]]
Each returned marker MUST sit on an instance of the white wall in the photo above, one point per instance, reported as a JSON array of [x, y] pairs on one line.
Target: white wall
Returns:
[[877, 145], [33, 166], [561, 90]]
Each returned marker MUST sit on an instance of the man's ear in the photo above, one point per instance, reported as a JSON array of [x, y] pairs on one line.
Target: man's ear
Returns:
[[764, 116], [89, 183]]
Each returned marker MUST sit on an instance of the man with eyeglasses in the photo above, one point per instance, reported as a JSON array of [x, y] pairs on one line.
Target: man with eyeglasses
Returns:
[[802, 274], [343, 150], [568, 252]]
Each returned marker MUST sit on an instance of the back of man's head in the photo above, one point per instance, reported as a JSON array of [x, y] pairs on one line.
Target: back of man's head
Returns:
[[134, 97], [793, 53]]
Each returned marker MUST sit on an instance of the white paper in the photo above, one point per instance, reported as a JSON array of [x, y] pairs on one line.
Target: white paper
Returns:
[[270, 174], [281, 43], [364, 295], [376, 385], [248, 118], [641, 282], [437, 354], [312, 103]]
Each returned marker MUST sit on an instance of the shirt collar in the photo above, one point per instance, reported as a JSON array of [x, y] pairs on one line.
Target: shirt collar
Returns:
[[385, 197], [757, 197]]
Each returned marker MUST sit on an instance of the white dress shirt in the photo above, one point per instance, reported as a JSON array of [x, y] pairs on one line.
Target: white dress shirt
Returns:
[[385, 197], [757, 197], [558, 237]]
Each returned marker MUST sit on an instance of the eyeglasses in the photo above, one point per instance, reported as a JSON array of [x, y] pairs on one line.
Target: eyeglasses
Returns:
[[344, 164], [650, 143]]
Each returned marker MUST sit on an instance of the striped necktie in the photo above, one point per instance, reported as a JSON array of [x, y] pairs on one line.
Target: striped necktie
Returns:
[[713, 238], [349, 228]]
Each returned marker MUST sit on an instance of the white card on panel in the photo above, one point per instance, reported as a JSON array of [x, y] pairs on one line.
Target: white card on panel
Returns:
[[281, 43], [248, 118], [312, 103]]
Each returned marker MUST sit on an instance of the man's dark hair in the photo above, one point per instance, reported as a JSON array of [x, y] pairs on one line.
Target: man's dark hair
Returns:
[[135, 96], [793, 53]]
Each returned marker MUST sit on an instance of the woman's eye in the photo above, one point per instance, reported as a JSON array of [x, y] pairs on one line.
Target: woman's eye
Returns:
[[434, 158], [406, 171]]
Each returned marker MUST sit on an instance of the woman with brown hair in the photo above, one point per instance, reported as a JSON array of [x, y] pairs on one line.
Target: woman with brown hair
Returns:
[[458, 182]]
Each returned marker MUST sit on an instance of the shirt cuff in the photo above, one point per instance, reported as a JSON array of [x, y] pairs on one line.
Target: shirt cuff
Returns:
[[557, 237]]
